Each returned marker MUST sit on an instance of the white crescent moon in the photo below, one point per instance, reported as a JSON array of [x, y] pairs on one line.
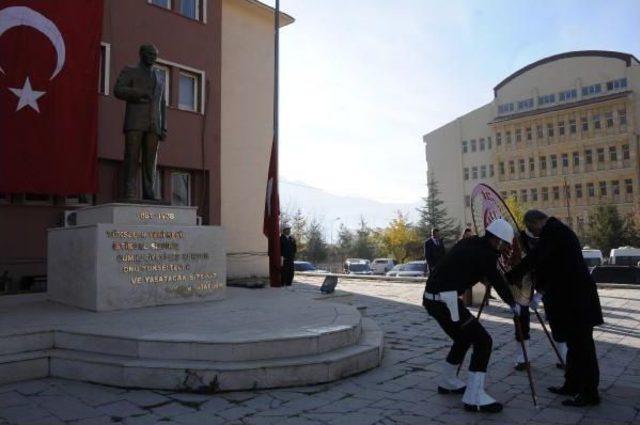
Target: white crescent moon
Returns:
[[17, 16]]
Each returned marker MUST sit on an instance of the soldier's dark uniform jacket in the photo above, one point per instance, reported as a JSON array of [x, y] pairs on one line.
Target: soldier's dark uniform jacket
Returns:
[[564, 278], [470, 261]]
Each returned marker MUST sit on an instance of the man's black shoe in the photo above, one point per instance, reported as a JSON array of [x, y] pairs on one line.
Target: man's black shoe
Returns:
[[563, 390], [582, 401], [487, 408], [520, 366], [442, 390]]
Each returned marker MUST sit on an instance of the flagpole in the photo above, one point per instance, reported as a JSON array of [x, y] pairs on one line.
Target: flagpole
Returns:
[[275, 277]]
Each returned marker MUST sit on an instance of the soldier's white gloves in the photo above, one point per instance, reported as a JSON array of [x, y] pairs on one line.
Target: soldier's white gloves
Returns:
[[535, 301], [515, 309]]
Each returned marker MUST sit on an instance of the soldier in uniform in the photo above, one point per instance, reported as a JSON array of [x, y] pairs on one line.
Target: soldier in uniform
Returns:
[[144, 122], [471, 260]]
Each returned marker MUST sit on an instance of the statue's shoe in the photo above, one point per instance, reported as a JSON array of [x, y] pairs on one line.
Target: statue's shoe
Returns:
[[582, 401]]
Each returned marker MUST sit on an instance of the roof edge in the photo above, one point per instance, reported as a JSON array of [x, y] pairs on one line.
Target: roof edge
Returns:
[[626, 57], [286, 19]]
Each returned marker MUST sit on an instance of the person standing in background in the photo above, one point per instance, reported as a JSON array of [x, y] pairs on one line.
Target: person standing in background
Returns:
[[288, 250], [433, 250]]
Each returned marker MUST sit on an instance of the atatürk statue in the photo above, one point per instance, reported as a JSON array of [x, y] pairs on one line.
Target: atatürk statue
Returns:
[[144, 122]]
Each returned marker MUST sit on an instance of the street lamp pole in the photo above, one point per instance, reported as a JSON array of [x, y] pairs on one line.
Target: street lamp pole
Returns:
[[331, 235]]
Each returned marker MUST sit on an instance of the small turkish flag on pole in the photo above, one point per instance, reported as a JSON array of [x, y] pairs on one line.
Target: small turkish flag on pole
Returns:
[[271, 226], [49, 70]]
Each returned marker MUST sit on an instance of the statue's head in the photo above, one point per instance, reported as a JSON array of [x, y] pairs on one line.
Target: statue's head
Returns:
[[148, 54]]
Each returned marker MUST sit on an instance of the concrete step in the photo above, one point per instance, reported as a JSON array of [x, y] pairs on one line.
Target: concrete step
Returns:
[[198, 375]]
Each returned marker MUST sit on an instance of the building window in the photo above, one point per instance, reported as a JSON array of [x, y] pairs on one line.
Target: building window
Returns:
[[521, 167], [576, 159], [105, 68], [518, 135], [534, 195], [180, 189], [543, 162], [473, 145], [489, 142], [625, 152], [615, 187], [567, 95], [483, 171], [190, 9], [622, 116], [560, 128], [514, 194], [466, 173], [523, 195], [550, 130], [596, 121], [608, 117], [481, 142], [525, 104], [464, 146], [491, 171], [591, 90], [528, 131], [474, 173], [613, 153], [578, 189], [603, 188], [572, 126], [600, 153], [498, 138], [189, 89], [505, 108], [554, 161], [556, 193], [501, 168], [628, 185], [507, 136], [591, 190], [584, 122], [545, 193], [162, 3], [617, 84], [588, 154], [546, 99], [512, 167], [467, 200], [503, 194], [164, 75], [539, 133], [532, 164], [565, 160]]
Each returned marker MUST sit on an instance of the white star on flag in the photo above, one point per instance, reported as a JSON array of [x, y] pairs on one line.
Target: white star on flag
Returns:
[[27, 96]]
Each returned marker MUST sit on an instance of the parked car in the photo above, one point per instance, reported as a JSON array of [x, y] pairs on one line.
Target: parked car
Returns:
[[616, 274], [624, 256], [382, 265], [410, 269], [357, 266], [592, 257], [306, 266]]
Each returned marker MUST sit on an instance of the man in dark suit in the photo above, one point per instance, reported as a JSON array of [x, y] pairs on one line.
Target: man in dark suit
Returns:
[[144, 121], [572, 301], [288, 250], [433, 250]]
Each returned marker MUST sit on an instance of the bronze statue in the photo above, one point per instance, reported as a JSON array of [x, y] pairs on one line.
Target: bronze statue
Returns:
[[144, 122]]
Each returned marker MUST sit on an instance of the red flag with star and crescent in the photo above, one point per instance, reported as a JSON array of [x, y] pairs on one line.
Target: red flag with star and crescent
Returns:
[[49, 71]]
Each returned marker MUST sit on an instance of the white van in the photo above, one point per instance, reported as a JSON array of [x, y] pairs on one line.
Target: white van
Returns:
[[625, 256], [382, 265], [592, 257]]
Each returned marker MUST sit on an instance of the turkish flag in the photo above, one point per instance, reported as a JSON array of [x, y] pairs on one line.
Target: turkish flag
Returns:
[[271, 224], [49, 60]]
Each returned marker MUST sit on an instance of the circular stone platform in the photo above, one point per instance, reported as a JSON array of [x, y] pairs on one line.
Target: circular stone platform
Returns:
[[253, 339]]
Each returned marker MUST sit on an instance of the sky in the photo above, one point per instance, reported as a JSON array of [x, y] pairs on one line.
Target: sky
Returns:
[[363, 80]]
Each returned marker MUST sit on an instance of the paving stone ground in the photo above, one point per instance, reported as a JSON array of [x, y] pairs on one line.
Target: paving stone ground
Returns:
[[401, 391]]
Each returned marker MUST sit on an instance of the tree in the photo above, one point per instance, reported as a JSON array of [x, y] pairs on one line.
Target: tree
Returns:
[[607, 229], [298, 228], [401, 239], [316, 249], [363, 244], [345, 241], [433, 214]]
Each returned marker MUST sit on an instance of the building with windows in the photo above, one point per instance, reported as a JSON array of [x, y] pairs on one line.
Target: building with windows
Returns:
[[561, 134], [216, 57]]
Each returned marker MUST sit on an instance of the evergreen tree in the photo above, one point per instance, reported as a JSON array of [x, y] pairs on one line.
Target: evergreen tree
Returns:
[[607, 229], [363, 244], [434, 215], [316, 248], [345, 241]]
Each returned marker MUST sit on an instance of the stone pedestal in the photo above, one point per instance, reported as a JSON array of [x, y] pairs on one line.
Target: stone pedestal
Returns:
[[121, 256]]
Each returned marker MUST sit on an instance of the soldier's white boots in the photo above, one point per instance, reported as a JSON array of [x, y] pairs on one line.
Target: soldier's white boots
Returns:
[[449, 382], [475, 399], [562, 349], [521, 364]]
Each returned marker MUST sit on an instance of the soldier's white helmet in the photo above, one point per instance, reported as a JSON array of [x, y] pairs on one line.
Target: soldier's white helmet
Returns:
[[285, 226], [500, 228]]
